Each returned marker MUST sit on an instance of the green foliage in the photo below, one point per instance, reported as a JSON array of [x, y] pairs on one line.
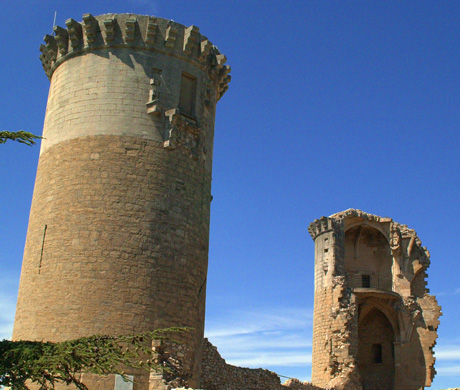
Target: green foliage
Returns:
[[21, 136], [47, 363]]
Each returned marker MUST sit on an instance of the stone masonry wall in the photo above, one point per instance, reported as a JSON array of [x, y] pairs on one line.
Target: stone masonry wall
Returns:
[[81, 278], [334, 346], [320, 357], [334, 334], [218, 375]]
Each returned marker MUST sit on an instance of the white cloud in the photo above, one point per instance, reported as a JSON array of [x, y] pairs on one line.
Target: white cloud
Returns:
[[7, 310], [271, 359], [8, 298], [451, 370], [263, 338], [451, 352], [239, 322]]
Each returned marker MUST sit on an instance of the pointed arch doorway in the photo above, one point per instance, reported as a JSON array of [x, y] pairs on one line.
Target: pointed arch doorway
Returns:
[[376, 358]]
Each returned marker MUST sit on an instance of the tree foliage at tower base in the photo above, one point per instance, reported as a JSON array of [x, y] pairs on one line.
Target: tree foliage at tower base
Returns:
[[45, 363]]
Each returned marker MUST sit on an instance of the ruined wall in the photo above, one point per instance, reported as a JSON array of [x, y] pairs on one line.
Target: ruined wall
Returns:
[[334, 346], [218, 375], [370, 292]]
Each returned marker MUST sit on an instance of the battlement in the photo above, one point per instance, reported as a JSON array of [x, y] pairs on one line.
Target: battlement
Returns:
[[321, 225], [402, 230], [337, 220], [343, 219], [136, 32]]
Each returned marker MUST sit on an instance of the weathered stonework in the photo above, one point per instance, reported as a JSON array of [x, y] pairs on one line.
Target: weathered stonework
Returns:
[[374, 321], [218, 375], [119, 225]]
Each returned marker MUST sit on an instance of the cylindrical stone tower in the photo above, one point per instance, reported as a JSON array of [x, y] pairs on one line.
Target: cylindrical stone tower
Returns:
[[119, 226]]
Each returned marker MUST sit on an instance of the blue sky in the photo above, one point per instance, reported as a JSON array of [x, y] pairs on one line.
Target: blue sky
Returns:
[[332, 105]]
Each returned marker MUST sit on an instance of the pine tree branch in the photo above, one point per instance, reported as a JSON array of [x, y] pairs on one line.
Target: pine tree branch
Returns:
[[23, 137]]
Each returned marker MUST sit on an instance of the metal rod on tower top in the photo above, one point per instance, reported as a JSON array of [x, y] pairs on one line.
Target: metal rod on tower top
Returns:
[[54, 21]]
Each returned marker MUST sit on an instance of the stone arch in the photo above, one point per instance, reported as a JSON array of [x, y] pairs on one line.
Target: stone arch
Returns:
[[376, 358], [368, 257], [369, 304], [376, 225]]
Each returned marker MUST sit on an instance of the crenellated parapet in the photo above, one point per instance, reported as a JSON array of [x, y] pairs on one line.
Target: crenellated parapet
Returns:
[[406, 247], [403, 240], [136, 32], [323, 225]]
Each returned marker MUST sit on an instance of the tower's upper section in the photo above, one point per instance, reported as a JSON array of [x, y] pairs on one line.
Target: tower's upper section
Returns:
[[136, 32], [373, 251]]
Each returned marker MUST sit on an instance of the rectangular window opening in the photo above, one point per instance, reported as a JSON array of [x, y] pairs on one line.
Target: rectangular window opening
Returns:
[[377, 353], [366, 281], [187, 95]]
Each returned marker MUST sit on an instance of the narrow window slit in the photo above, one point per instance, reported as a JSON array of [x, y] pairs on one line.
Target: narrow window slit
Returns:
[[41, 252]]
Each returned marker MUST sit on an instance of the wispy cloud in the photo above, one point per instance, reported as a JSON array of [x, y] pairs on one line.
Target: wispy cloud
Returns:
[[239, 322], [265, 338], [447, 359], [450, 370], [451, 352], [272, 359], [8, 290], [7, 309], [444, 293]]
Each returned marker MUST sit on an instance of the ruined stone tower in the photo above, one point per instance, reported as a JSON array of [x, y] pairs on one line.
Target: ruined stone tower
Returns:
[[119, 226], [374, 322]]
